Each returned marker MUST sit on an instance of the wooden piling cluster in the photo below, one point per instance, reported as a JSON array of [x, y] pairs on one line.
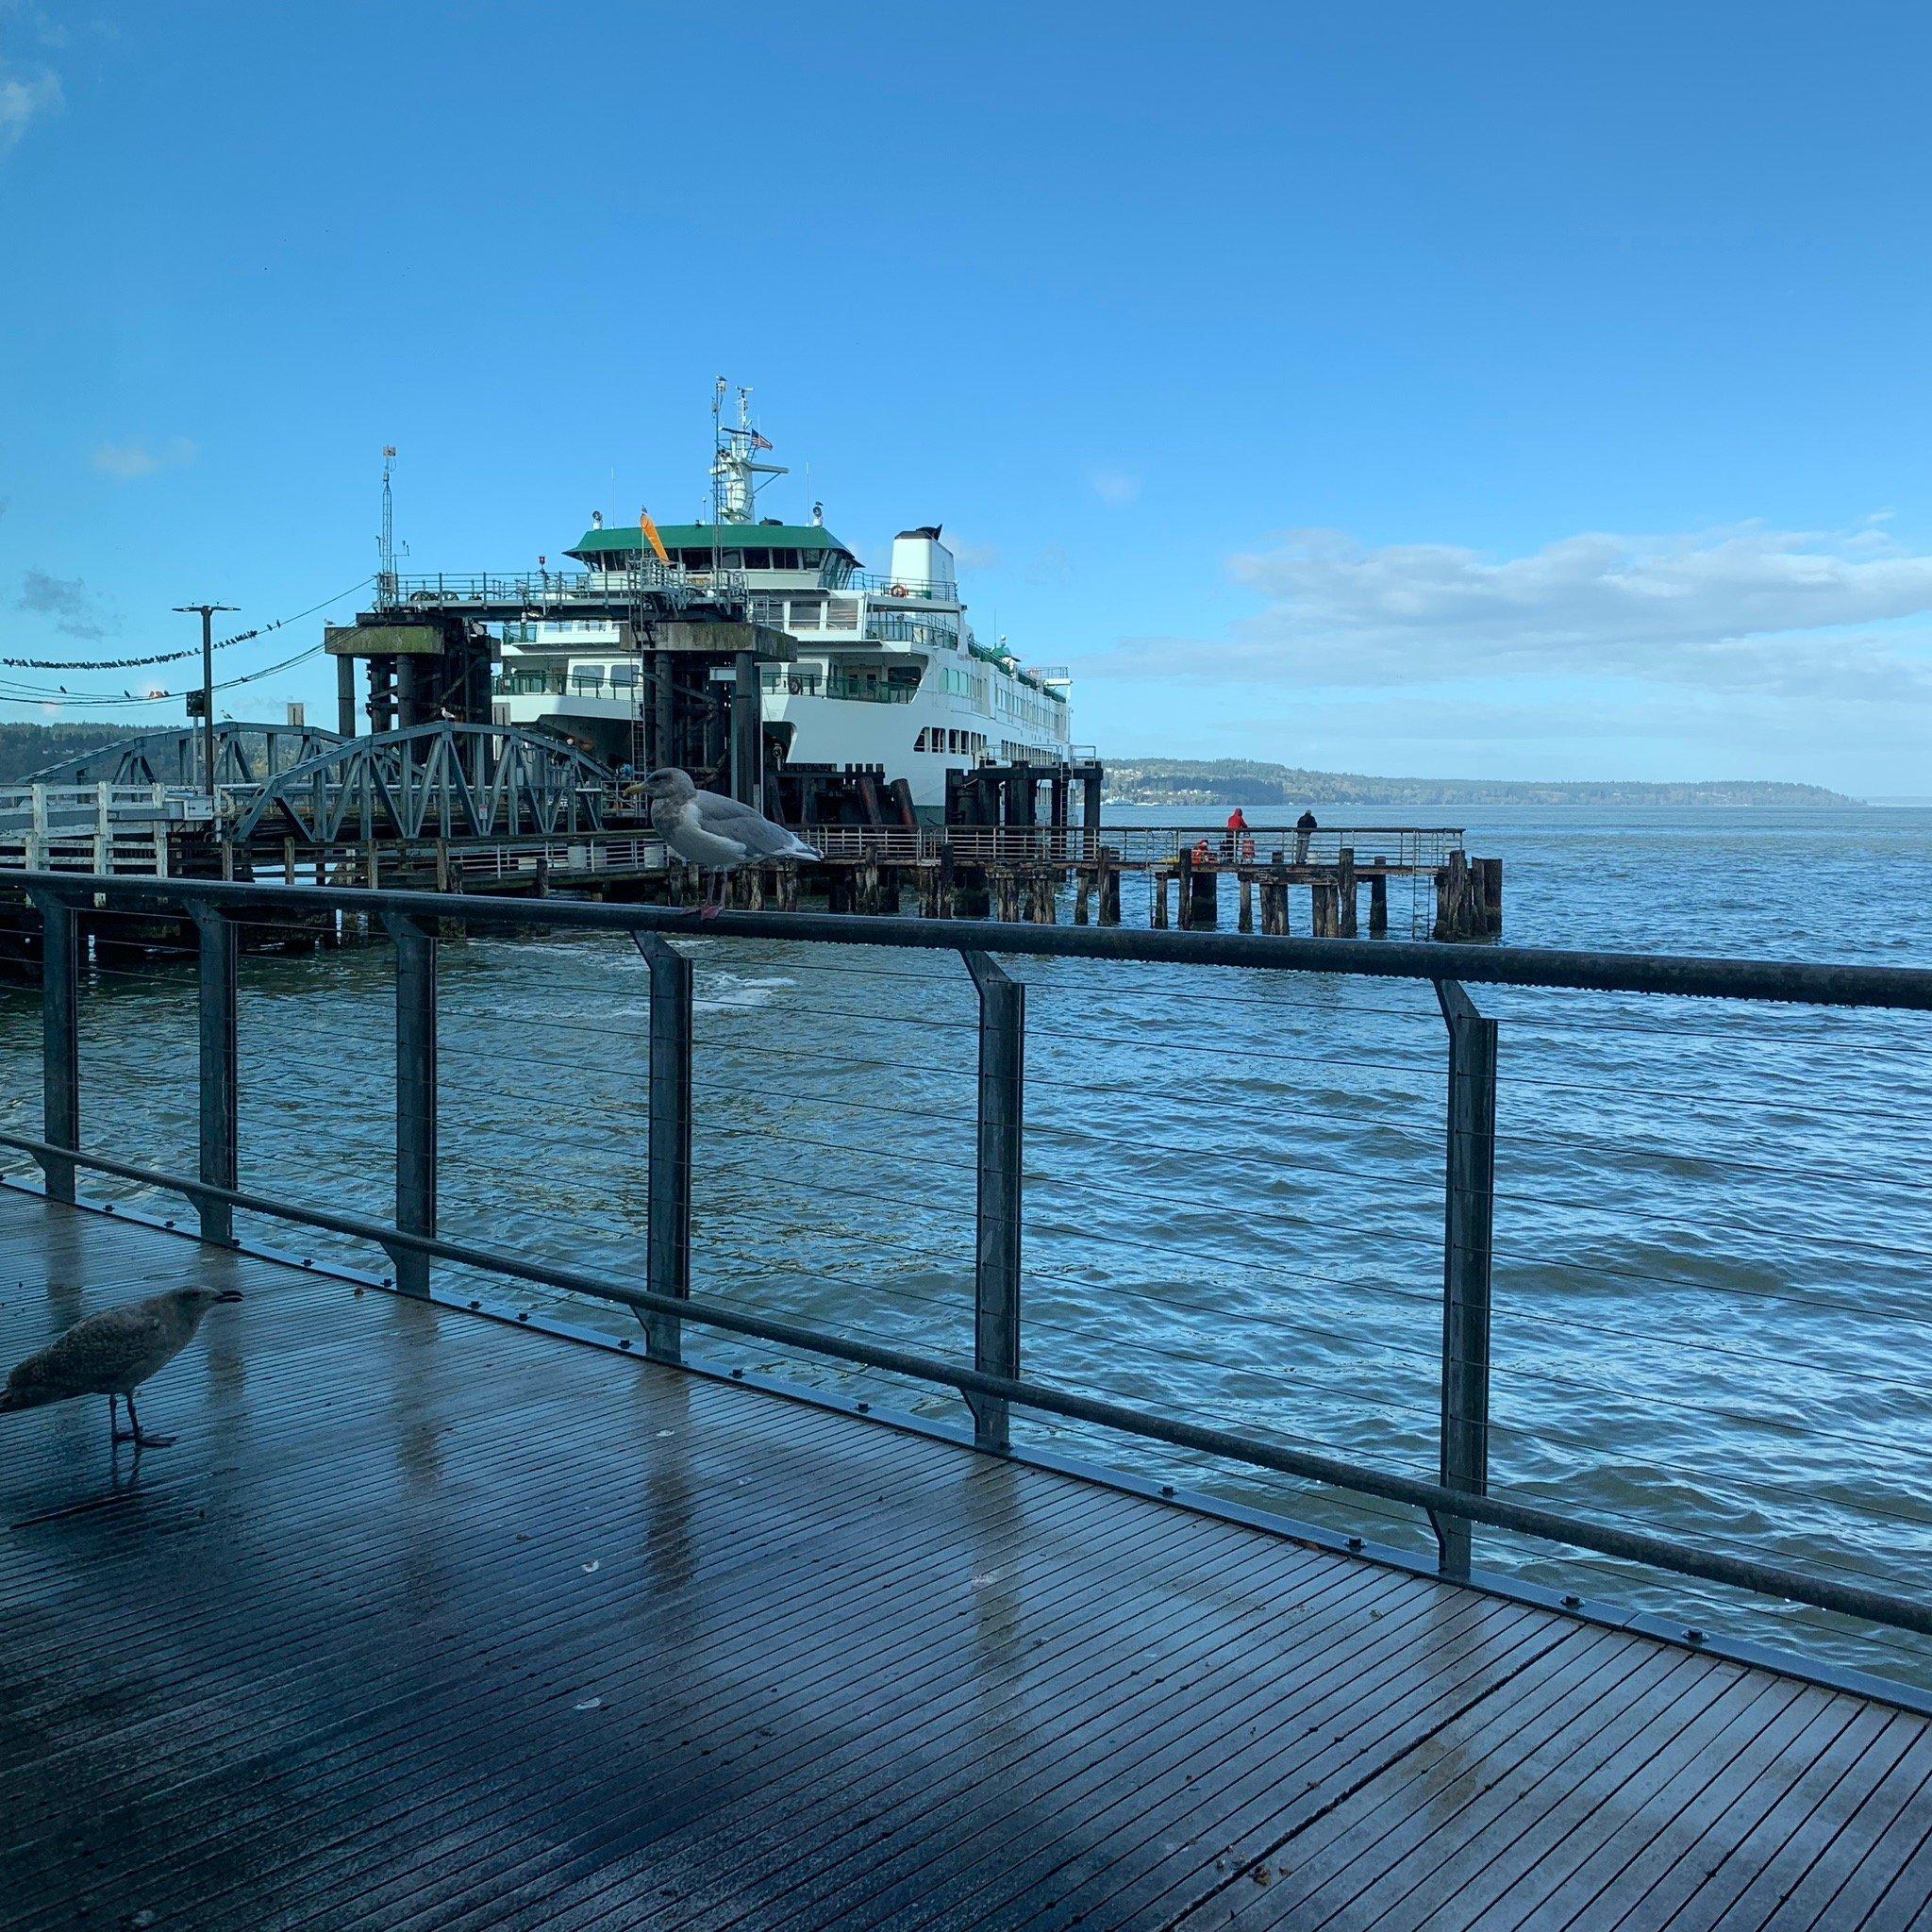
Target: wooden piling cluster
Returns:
[[1468, 897]]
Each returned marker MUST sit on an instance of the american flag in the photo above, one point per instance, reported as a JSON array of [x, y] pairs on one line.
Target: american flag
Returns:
[[759, 441]]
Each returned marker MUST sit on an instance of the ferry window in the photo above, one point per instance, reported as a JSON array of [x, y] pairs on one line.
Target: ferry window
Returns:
[[733, 560], [841, 614], [807, 613], [785, 559], [758, 559], [622, 676]]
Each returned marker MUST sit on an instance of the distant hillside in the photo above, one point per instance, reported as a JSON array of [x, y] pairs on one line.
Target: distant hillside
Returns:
[[25, 749], [1244, 781]]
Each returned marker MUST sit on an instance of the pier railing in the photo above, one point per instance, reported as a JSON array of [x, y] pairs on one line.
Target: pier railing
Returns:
[[1455, 1496], [1395, 848], [95, 828], [1407, 848]]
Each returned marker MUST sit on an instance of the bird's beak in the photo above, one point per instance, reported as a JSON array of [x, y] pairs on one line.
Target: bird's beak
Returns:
[[229, 1295]]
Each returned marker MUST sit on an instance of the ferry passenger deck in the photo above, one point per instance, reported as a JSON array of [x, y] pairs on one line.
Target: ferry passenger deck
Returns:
[[429, 1623]]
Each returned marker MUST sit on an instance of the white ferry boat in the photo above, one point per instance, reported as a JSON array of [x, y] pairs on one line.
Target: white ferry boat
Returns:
[[889, 673]]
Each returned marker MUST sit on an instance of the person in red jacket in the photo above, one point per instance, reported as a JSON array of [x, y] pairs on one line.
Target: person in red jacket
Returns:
[[1237, 824]]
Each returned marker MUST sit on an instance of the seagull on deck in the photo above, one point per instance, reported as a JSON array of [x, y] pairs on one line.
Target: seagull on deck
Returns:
[[713, 832], [112, 1354]]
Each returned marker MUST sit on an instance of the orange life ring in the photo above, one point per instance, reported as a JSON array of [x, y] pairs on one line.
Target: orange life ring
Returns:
[[899, 590]]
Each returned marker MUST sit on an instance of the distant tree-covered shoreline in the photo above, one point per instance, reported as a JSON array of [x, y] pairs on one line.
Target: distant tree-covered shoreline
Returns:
[[25, 749], [1246, 781]]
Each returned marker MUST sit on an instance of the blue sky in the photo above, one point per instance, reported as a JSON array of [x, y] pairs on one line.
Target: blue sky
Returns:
[[1491, 390]]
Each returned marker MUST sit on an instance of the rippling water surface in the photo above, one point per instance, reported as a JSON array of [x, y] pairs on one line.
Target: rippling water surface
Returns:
[[1713, 1310]]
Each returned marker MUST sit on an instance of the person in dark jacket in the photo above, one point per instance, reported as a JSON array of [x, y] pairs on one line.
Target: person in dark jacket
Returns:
[[1303, 827]]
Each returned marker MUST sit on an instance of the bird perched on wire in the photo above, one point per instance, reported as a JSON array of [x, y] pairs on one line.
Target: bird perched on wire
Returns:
[[715, 833], [112, 1354]]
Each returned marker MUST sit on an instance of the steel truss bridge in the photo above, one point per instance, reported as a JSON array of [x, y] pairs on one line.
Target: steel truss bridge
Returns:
[[433, 781], [119, 806]]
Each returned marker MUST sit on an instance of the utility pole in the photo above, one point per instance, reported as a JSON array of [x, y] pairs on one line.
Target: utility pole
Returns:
[[208, 691]]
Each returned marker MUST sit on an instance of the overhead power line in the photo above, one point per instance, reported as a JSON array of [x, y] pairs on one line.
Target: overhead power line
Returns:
[[240, 636]]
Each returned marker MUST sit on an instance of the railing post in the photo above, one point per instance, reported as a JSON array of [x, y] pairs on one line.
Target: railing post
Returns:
[[416, 1095], [668, 1209], [219, 1088], [60, 1038], [996, 1261], [1470, 1203]]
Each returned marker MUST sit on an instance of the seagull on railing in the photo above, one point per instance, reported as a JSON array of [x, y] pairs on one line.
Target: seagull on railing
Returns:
[[111, 1353], [715, 833]]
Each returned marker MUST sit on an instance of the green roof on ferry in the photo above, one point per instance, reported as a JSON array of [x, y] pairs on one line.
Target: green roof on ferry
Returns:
[[626, 537]]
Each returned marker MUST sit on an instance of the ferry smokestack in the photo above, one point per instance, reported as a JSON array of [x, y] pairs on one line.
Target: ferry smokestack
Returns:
[[919, 558]]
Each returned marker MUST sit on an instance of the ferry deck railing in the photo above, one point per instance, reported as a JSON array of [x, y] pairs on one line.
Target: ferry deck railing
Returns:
[[1456, 1499]]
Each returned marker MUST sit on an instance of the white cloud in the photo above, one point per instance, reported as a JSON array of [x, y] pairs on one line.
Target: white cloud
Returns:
[[1115, 487], [1743, 607], [139, 458], [25, 97]]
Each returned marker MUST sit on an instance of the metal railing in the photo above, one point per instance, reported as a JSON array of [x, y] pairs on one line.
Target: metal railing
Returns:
[[1454, 1500], [906, 627], [930, 590], [552, 591]]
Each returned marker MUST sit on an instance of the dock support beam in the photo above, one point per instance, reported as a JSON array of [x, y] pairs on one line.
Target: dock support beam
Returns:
[[668, 1211], [1468, 1224], [60, 1038], [416, 1089], [997, 1263], [219, 1081]]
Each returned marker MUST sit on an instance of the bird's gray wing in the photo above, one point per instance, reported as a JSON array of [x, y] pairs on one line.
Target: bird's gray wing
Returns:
[[102, 1349], [729, 819]]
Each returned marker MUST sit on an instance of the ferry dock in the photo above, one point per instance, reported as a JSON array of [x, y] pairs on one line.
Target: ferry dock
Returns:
[[444, 1612], [487, 810]]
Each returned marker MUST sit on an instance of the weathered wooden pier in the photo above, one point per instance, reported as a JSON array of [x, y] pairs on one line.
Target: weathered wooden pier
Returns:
[[492, 811], [448, 1612]]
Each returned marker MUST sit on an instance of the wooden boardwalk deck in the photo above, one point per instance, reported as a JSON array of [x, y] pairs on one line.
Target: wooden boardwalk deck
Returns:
[[427, 1623]]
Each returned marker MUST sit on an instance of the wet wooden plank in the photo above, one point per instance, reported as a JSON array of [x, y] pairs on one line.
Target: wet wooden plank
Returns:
[[427, 1622]]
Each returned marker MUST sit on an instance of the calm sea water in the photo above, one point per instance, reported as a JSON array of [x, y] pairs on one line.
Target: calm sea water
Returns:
[[1713, 1304]]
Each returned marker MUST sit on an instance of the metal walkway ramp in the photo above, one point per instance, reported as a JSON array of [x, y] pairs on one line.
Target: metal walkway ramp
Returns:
[[430, 1623]]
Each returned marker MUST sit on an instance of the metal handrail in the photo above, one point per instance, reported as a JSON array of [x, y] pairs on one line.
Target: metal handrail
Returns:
[[932, 589], [1460, 1498]]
